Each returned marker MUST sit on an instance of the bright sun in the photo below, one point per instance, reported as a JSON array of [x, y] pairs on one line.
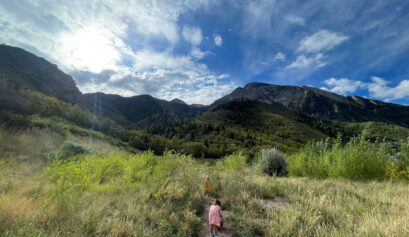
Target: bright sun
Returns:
[[90, 50]]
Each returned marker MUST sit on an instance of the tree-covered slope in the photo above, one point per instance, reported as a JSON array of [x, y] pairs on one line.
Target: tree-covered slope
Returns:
[[245, 124]]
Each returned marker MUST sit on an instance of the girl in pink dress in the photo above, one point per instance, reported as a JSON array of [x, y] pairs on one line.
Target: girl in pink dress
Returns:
[[215, 218]]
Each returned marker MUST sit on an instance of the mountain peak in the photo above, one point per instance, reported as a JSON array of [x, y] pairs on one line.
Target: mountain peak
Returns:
[[178, 101], [320, 103]]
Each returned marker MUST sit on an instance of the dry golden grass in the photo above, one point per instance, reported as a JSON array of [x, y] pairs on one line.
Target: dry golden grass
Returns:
[[145, 195]]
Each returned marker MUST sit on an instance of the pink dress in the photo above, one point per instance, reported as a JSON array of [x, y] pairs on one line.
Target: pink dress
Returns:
[[215, 215]]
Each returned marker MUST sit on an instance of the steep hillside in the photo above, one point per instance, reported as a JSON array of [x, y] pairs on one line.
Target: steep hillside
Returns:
[[20, 69], [322, 104], [246, 124]]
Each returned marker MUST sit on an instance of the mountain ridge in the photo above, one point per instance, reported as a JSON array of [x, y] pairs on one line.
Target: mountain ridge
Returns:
[[254, 116], [20, 69], [320, 103]]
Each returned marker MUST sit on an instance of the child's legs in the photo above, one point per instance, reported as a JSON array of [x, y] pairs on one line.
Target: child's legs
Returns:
[[214, 229]]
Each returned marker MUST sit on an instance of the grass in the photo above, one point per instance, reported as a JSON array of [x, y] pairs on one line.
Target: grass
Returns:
[[357, 159], [124, 194]]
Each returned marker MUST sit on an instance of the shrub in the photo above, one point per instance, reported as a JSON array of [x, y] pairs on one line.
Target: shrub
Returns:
[[309, 161], [273, 162], [398, 166], [358, 159], [196, 149], [67, 149], [234, 163]]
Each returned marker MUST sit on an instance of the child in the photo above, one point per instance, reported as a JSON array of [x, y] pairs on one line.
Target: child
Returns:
[[215, 218], [207, 186]]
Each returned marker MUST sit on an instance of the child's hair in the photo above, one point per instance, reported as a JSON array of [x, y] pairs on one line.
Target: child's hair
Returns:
[[217, 202]]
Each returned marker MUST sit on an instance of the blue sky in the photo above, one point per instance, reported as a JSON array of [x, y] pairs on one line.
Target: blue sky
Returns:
[[201, 50]]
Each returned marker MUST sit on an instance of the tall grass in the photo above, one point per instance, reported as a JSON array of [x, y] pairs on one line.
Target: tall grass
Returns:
[[358, 159], [125, 194]]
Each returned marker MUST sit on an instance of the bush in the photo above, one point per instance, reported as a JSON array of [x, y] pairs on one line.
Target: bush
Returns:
[[309, 161], [398, 167], [196, 149], [273, 162], [358, 159], [68, 149]]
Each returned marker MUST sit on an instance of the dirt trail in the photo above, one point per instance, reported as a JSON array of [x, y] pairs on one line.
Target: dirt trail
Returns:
[[205, 229]]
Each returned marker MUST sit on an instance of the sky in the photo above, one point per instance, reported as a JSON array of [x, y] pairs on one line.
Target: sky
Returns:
[[201, 50]]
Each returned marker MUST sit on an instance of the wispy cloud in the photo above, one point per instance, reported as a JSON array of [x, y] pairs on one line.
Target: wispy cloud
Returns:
[[292, 42], [91, 40], [197, 53], [279, 56], [320, 41], [192, 35], [295, 20], [305, 62]]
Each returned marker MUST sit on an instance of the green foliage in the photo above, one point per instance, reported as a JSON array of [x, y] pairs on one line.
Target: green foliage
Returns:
[[124, 194], [165, 189], [233, 163], [196, 149], [358, 159], [372, 131], [398, 167], [67, 150], [241, 126], [273, 162]]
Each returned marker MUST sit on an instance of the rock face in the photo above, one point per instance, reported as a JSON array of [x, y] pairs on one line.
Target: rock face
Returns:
[[322, 104], [20, 69]]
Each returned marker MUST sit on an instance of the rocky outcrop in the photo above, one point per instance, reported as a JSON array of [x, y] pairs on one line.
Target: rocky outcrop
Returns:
[[322, 104]]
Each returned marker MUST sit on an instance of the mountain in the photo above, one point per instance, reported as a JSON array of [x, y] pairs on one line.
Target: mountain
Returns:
[[143, 111], [21, 70], [35, 93], [321, 104], [245, 124]]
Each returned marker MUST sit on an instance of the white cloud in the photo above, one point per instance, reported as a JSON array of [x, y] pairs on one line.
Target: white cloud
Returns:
[[147, 59], [379, 88], [92, 41], [343, 86], [218, 40], [192, 35], [279, 57], [89, 35], [322, 40], [314, 45], [296, 20], [304, 62], [197, 53], [199, 87]]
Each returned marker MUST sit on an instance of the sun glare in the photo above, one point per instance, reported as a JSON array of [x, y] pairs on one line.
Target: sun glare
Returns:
[[90, 50]]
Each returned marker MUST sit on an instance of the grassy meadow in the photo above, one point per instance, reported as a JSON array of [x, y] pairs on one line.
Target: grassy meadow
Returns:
[[111, 192]]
